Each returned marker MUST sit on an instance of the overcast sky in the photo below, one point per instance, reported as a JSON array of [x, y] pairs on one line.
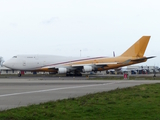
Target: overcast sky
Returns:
[[64, 27]]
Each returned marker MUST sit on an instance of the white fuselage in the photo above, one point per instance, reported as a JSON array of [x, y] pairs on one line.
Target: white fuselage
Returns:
[[33, 62]]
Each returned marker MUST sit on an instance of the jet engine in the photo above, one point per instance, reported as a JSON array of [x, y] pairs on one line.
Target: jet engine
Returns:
[[87, 68], [62, 70]]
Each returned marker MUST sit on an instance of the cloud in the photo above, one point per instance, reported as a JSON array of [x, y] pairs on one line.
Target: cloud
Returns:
[[50, 21]]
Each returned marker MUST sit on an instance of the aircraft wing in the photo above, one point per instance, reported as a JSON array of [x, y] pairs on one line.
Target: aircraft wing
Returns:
[[81, 66]]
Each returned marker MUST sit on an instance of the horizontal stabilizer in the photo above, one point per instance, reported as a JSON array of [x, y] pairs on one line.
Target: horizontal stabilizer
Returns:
[[145, 58], [137, 60]]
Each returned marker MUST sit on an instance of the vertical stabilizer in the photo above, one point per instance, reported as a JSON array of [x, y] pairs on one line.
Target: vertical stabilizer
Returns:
[[138, 49]]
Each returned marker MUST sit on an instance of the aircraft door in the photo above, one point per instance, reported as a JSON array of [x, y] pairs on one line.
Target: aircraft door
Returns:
[[24, 63], [38, 62], [36, 57]]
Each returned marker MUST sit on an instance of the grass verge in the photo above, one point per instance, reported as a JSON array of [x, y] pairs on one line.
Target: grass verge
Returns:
[[139, 102]]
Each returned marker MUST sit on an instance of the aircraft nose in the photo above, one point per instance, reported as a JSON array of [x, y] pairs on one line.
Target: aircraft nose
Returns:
[[6, 64], [3, 63]]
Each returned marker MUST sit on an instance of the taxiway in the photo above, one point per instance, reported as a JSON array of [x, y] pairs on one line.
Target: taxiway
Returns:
[[16, 92]]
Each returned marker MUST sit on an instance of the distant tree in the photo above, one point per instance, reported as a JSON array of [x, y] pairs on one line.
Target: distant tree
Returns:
[[1, 61]]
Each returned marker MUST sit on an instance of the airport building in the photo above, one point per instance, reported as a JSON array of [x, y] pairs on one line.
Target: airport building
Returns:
[[143, 69], [5, 70], [135, 70]]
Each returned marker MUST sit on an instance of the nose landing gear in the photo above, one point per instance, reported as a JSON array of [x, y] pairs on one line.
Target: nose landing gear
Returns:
[[19, 74]]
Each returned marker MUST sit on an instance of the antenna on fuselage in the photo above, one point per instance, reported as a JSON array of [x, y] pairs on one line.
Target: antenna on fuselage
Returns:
[[114, 54], [80, 53]]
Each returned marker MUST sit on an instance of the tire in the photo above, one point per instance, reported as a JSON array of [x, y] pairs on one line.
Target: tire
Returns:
[[19, 75]]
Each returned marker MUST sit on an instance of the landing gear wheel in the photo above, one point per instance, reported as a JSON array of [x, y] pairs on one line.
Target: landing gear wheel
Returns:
[[80, 75], [68, 74], [76, 74], [19, 75]]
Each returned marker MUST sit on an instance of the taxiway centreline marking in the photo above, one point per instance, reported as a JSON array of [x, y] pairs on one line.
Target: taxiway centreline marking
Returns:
[[55, 89]]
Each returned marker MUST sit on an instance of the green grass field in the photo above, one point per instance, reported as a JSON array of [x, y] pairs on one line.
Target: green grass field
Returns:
[[140, 102]]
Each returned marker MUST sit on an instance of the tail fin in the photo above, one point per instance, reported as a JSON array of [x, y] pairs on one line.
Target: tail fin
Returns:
[[138, 49]]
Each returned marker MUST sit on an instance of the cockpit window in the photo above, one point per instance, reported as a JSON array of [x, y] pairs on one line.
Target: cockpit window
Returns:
[[14, 56]]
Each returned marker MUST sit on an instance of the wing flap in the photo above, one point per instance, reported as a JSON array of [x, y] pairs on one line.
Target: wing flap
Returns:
[[109, 63], [95, 64]]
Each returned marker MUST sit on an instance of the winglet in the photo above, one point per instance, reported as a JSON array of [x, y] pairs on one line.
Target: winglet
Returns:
[[138, 49]]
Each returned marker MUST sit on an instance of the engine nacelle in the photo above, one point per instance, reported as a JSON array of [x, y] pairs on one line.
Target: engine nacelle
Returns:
[[62, 70], [87, 68]]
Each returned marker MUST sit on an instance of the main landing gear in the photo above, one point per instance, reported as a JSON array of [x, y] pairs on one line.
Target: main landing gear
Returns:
[[75, 74]]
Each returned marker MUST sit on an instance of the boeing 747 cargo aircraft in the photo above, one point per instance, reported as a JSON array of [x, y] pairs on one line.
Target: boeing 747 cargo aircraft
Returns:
[[77, 66]]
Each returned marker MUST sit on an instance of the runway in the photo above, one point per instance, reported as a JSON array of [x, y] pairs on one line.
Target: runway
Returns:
[[16, 92]]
